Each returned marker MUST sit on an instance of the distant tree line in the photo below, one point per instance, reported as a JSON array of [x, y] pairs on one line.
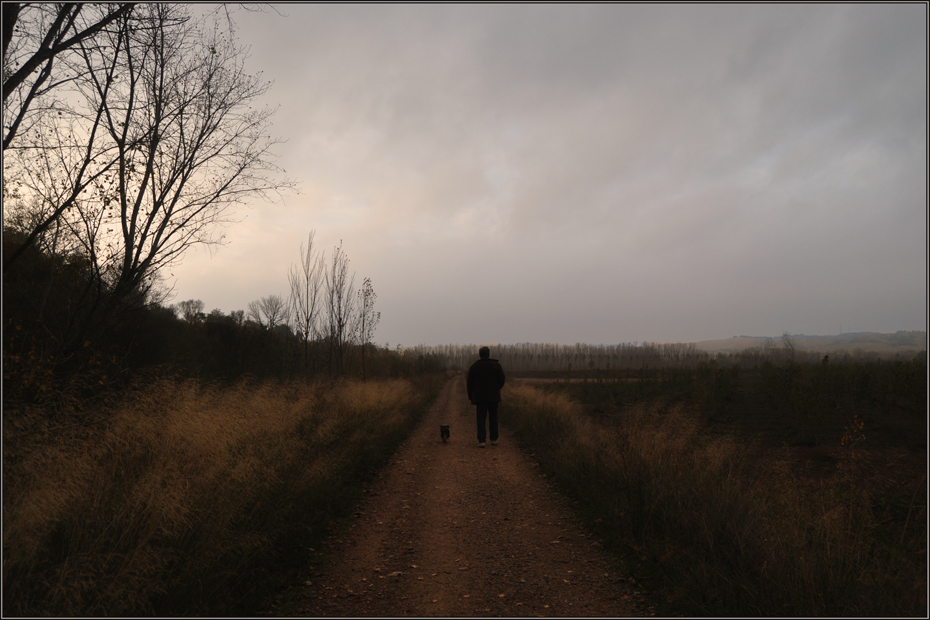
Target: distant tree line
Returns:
[[549, 357], [536, 357]]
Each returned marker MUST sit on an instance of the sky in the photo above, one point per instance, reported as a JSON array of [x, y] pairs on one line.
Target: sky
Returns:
[[598, 173]]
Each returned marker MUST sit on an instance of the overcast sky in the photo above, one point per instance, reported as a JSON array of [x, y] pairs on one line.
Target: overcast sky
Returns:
[[595, 173]]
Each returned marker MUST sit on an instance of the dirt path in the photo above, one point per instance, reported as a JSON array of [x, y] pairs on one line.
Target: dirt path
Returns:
[[457, 530]]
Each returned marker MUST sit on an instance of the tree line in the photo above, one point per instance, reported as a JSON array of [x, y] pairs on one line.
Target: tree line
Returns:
[[587, 358], [530, 357]]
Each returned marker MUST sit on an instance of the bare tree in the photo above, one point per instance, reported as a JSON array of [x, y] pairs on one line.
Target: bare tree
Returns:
[[191, 310], [46, 32], [788, 346], [60, 158], [306, 291], [340, 306], [255, 312], [162, 143], [269, 312], [189, 144], [366, 318]]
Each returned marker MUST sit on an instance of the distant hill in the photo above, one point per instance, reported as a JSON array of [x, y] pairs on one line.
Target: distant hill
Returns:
[[885, 345]]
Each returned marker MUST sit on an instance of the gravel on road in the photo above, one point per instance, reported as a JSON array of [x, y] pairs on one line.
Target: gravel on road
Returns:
[[451, 529]]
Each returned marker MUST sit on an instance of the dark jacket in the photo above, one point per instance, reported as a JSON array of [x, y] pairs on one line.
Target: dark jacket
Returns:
[[485, 380]]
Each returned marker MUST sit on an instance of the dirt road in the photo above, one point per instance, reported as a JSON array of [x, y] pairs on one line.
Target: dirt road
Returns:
[[452, 529]]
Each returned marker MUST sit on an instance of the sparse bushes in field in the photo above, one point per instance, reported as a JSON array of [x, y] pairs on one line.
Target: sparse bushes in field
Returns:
[[178, 499], [809, 394], [729, 532], [811, 387]]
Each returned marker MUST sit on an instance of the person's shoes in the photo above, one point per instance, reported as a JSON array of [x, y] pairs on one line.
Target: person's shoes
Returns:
[[493, 442], [481, 444]]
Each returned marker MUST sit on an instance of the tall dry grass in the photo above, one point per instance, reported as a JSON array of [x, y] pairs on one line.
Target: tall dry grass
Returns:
[[180, 496], [726, 532]]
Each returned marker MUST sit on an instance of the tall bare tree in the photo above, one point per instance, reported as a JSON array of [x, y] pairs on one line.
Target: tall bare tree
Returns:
[[306, 281], [189, 143], [59, 156], [340, 306], [35, 35], [366, 318]]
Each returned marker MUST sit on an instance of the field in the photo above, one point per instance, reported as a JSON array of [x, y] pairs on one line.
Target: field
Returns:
[[786, 488], [762, 484], [183, 498]]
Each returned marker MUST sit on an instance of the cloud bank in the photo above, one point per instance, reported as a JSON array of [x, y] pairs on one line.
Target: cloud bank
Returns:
[[596, 173]]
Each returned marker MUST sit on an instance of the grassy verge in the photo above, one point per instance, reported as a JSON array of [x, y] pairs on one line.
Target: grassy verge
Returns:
[[184, 498], [716, 529]]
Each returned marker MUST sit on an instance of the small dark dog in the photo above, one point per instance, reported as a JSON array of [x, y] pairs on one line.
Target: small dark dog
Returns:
[[444, 432]]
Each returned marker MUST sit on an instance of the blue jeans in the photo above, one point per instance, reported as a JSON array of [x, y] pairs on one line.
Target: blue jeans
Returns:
[[487, 410]]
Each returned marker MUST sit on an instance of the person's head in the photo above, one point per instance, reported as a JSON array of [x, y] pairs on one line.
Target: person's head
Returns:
[[484, 352]]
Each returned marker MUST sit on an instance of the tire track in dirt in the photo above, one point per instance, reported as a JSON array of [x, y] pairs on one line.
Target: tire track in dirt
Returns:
[[456, 530]]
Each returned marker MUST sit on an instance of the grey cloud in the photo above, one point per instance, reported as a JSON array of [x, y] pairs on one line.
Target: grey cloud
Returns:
[[691, 170]]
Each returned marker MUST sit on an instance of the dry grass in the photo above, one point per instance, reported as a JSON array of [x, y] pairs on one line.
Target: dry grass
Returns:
[[181, 491], [717, 529]]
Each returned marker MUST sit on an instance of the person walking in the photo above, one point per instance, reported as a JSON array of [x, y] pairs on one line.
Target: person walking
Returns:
[[485, 380]]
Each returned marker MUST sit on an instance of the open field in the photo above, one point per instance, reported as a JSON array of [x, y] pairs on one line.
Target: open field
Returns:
[[787, 489], [185, 498], [778, 487]]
